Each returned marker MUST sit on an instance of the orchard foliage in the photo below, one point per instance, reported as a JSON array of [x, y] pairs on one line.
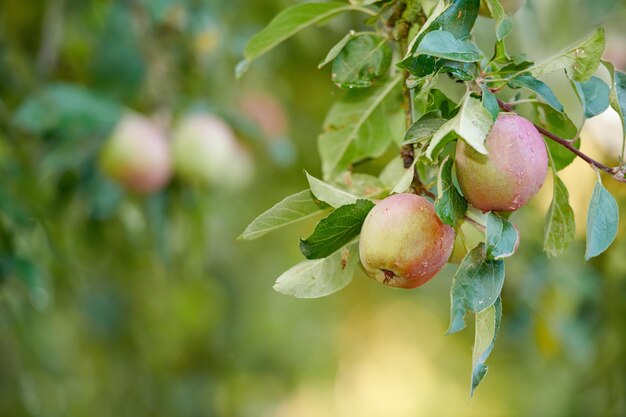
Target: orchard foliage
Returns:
[[394, 77]]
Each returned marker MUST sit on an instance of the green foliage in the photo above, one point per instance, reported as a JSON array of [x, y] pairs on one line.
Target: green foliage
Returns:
[[538, 87], [594, 96], [560, 227], [487, 327], [363, 60], [450, 205], [502, 237], [602, 221], [443, 44]]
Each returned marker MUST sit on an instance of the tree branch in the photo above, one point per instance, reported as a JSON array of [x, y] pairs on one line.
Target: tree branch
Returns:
[[617, 172]]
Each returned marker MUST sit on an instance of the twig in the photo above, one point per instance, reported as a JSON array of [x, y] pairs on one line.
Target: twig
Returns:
[[617, 172]]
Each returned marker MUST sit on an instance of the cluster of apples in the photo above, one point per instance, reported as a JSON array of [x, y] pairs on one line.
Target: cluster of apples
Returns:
[[202, 149], [404, 243]]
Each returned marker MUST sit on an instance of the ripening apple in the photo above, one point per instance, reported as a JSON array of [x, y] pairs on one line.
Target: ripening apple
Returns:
[[512, 172], [137, 154], [509, 6], [206, 152], [403, 242]]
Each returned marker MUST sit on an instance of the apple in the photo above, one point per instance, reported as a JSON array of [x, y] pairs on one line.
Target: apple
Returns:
[[403, 242], [513, 171], [137, 155]]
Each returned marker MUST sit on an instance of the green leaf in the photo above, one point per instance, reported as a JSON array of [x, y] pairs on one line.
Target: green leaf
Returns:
[[504, 24], [443, 44], [618, 95], [406, 179], [450, 204], [580, 61], [423, 129], [335, 50], [593, 95], [539, 87], [336, 230], [472, 123], [292, 209], [362, 61], [490, 102], [560, 227], [357, 126], [476, 286], [287, 23], [502, 237], [67, 111], [561, 125], [486, 331], [602, 221], [320, 277], [391, 174], [330, 194]]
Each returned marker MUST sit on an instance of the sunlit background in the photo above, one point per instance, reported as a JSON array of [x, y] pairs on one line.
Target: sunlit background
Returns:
[[115, 303]]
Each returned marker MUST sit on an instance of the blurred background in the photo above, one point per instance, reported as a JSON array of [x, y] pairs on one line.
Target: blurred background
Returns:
[[137, 300]]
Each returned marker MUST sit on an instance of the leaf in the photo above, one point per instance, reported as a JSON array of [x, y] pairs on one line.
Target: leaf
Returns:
[[336, 230], [287, 23], [329, 194], [502, 237], [539, 87], [423, 129], [580, 61], [292, 209], [490, 102], [593, 95], [320, 277], [443, 44], [472, 123], [67, 111], [602, 221], [618, 95], [334, 51], [390, 175], [504, 24], [406, 179], [486, 331], [362, 61], [560, 227], [357, 126], [476, 286], [561, 125], [450, 205]]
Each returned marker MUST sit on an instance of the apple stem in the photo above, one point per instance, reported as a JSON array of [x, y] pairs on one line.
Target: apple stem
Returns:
[[617, 172]]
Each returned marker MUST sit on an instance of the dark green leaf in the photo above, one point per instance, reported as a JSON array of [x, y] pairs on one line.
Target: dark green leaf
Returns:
[[487, 327], [594, 96], [504, 25], [561, 125], [362, 61], [423, 129], [602, 221], [502, 237], [336, 230], [539, 87], [443, 44], [464, 71], [490, 102], [560, 227], [476, 286], [450, 205], [335, 50]]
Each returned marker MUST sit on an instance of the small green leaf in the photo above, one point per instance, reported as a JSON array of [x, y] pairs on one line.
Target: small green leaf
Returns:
[[486, 331], [450, 204], [561, 125], [334, 51], [594, 96], [443, 44], [362, 61], [504, 24], [472, 123], [292, 209], [334, 231], [391, 174], [502, 237], [320, 277], [490, 102], [539, 87], [406, 179], [287, 23], [602, 221], [560, 227], [423, 129], [476, 286], [580, 61], [327, 193]]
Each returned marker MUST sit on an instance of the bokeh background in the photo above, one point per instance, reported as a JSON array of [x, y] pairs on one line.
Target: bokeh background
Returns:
[[119, 304]]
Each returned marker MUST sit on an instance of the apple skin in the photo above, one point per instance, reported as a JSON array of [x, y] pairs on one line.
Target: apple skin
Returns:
[[137, 155], [513, 171], [206, 152], [509, 6], [403, 242]]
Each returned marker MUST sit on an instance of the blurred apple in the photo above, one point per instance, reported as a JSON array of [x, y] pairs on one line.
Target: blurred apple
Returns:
[[137, 155], [606, 130], [266, 112], [206, 152]]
